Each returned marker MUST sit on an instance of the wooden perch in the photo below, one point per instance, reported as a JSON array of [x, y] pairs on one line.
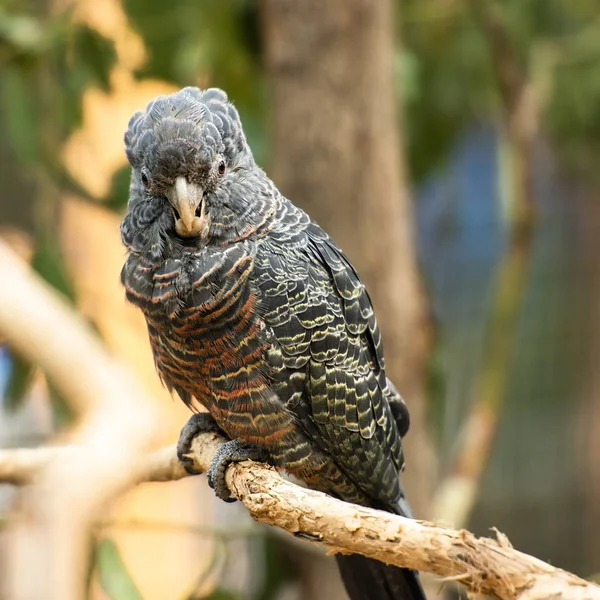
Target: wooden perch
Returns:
[[484, 565]]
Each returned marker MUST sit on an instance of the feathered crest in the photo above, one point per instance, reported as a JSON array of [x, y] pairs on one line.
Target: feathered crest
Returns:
[[200, 119]]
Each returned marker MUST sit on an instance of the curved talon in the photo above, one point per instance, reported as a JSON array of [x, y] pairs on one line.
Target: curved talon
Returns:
[[198, 423], [232, 451]]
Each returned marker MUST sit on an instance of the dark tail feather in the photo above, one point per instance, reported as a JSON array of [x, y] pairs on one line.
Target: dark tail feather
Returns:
[[369, 579]]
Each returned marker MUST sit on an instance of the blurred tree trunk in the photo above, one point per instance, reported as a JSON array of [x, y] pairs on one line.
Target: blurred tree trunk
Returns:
[[337, 152]]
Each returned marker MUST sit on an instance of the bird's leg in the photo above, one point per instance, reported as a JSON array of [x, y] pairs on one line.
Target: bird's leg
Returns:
[[231, 451], [198, 423], [227, 453]]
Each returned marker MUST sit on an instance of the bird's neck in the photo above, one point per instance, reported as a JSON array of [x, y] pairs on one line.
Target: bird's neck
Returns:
[[244, 210]]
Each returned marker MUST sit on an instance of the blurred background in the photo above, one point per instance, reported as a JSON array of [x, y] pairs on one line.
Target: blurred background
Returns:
[[449, 146]]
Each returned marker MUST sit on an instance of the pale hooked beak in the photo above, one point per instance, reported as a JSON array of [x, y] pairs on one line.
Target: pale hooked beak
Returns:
[[186, 199]]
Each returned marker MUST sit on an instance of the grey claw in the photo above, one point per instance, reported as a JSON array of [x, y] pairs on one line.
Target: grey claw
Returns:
[[232, 451], [198, 423]]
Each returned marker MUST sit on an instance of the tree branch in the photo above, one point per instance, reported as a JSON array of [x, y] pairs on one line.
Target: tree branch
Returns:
[[484, 565], [116, 426], [456, 495]]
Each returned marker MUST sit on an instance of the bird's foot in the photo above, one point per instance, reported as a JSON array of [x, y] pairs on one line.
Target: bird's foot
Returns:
[[229, 452], [198, 423]]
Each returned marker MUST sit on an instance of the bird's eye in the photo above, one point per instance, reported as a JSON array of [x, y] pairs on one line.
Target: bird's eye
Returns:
[[145, 179], [222, 168]]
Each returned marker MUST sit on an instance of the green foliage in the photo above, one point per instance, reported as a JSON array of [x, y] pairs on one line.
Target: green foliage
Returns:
[[19, 381], [114, 577], [17, 101], [574, 108], [453, 80], [187, 41], [445, 69], [24, 39], [451, 76], [95, 54], [278, 568], [47, 261], [62, 413], [208, 43], [47, 64], [436, 388], [221, 594], [84, 60], [119, 189]]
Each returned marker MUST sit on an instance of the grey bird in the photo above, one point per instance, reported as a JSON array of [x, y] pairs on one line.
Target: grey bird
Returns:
[[254, 312]]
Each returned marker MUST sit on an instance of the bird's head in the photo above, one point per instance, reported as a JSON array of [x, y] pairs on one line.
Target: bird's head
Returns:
[[190, 159]]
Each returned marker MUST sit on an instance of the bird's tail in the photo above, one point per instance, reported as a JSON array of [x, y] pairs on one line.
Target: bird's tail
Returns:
[[369, 579]]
